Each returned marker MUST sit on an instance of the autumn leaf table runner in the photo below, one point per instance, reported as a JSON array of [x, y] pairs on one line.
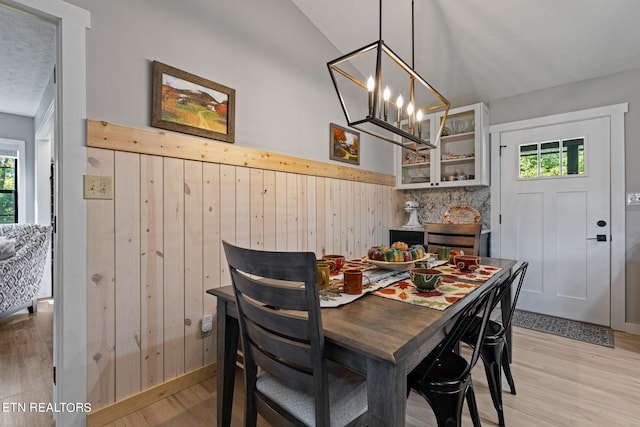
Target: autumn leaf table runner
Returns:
[[450, 291]]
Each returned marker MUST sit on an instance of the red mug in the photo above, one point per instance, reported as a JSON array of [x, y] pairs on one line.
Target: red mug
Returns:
[[338, 262], [352, 282]]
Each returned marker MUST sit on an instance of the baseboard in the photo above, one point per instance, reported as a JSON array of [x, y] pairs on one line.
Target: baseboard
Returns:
[[138, 401], [632, 328]]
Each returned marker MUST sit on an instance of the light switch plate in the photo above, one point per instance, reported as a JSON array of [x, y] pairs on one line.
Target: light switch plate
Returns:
[[98, 187]]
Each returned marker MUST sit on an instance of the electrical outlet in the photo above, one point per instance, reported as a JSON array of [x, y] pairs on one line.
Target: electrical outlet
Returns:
[[206, 325], [98, 187], [633, 199]]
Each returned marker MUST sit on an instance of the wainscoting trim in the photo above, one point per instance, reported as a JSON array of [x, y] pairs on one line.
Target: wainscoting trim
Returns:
[[101, 134], [138, 401]]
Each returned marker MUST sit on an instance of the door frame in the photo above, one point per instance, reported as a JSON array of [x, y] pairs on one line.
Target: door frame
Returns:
[[615, 113], [70, 308]]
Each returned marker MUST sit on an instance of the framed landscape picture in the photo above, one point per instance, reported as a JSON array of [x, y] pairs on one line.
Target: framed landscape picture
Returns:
[[344, 144], [186, 103]]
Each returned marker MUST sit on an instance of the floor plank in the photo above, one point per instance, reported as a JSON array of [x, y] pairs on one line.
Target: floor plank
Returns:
[[26, 363]]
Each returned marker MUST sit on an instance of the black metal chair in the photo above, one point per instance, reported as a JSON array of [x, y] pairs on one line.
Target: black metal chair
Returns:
[[281, 330], [443, 378], [493, 349]]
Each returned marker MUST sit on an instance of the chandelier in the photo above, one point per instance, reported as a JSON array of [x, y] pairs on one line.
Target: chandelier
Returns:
[[394, 100]]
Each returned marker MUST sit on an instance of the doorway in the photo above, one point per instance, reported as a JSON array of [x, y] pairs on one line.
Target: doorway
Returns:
[[567, 220]]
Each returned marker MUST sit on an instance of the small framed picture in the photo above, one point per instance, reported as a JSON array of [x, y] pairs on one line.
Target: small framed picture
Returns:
[[184, 102], [344, 144]]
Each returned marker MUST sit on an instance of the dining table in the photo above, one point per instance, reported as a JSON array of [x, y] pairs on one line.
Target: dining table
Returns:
[[381, 338]]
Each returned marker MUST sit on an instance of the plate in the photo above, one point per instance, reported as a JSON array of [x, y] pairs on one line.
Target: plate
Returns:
[[397, 266], [462, 214]]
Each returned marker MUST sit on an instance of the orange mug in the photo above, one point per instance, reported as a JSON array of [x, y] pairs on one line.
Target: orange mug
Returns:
[[353, 282]]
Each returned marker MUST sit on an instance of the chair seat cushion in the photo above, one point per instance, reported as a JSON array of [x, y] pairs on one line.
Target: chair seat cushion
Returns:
[[347, 395]]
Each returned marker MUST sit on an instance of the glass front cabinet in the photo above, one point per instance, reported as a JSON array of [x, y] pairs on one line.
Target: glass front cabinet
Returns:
[[461, 157]]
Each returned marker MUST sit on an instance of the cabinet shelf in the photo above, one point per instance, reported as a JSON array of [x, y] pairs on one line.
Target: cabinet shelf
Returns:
[[458, 137], [459, 160], [413, 165], [438, 172]]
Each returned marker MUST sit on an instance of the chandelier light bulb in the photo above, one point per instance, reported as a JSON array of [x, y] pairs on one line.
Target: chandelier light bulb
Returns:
[[370, 86]]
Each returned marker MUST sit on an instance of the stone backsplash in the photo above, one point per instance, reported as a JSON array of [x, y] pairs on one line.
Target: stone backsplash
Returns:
[[435, 202]]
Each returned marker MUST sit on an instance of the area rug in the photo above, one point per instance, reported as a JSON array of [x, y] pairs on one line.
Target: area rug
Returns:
[[586, 332]]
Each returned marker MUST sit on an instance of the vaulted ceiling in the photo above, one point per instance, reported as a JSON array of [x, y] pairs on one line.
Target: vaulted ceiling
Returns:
[[470, 50]]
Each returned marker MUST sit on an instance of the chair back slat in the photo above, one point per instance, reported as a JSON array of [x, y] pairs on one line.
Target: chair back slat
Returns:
[[298, 351], [296, 377], [465, 237]]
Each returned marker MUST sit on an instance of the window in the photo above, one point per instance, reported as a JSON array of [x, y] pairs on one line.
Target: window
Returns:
[[552, 159], [8, 190]]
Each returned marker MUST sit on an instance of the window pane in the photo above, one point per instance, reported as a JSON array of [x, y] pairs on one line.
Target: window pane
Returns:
[[550, 159], [529, 161], [7, 208], [7, 173], [573, 157]]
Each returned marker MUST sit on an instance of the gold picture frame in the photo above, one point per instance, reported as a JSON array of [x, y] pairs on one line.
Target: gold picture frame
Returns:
[[184, 102]]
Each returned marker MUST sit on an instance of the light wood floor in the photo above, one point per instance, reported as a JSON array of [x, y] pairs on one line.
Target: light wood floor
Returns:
[[26, 364], [560, 382]]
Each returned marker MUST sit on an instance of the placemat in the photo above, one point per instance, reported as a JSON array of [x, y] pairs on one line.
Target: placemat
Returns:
[[482, 274], [445, 295]]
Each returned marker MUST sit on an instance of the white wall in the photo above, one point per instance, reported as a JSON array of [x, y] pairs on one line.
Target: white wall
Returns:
[[608, 90], [21, 128], [267, 51]]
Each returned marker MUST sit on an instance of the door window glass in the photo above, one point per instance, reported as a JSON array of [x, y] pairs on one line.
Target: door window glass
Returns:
[[552, 159]]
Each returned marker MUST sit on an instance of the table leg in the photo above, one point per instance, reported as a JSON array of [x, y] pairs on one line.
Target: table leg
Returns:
[[227, 329], [386, 394]]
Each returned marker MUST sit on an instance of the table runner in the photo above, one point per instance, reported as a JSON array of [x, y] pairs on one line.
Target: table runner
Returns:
[[445, 295], [482, 274], [372, 280]]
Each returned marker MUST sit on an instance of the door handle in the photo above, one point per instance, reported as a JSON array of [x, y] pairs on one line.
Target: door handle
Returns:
[[599, 238]]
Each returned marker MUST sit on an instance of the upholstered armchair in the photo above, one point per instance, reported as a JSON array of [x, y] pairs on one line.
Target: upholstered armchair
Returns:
[[20, 274]]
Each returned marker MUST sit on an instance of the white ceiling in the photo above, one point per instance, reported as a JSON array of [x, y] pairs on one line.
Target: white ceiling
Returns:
[[469, 50], [473, 50], [27, 57]]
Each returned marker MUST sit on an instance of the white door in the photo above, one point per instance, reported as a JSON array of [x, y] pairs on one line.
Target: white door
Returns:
[[555, 213]]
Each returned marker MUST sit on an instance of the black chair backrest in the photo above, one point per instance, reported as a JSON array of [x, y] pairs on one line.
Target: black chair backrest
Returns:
[[280, 323], [504, 288], [481, 305], [465, 237]]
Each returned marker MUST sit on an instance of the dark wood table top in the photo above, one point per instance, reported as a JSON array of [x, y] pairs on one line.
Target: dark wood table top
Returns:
[[386, 329]]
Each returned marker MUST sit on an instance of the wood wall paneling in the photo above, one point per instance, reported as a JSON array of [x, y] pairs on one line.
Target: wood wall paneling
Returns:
[[100, 287], [127, 273], [152, 270], [101, 134], [194, 290], [154, 250]]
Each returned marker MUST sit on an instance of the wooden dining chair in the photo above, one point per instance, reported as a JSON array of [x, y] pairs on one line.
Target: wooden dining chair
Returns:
[[443, 378], [493, 350], [281, 330], [465, 237]]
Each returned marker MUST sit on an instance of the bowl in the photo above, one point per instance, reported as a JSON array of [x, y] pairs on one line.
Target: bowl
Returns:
[[467, 263], [425, 279]]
